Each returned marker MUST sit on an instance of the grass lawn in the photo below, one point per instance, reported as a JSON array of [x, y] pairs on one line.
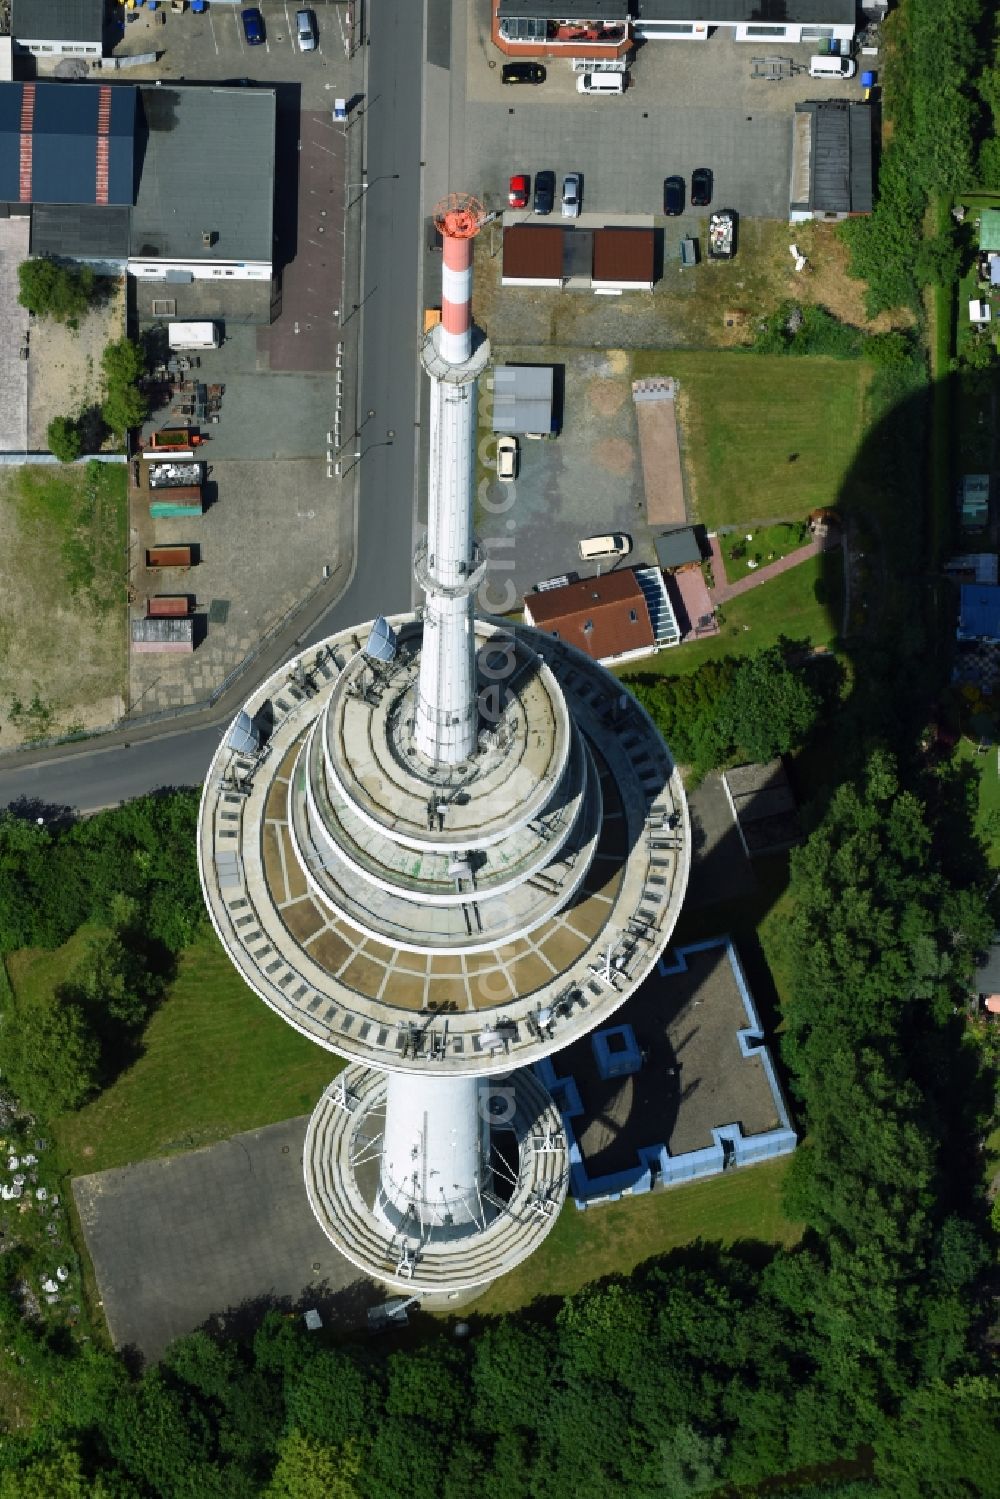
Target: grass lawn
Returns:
[[769, 544], [62, 614], [988, 817], [766, 437], [216, 1061], [793, 604], [615, 1237]]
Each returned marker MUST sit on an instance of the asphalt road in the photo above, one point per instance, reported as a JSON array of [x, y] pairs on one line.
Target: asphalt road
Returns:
[[129, 763]]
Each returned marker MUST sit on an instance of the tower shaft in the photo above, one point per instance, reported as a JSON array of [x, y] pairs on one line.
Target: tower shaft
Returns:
[[434, 1153], [446, 720]]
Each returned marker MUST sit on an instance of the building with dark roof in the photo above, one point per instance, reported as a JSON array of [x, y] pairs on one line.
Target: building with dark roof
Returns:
[[59, 28], [605, 617], [603, 28], [979, 612], [623, 260], [678, 547], [607, 259], [67, 143], [833, 156]]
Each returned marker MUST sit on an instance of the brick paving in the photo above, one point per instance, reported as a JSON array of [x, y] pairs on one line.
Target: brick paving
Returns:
[[13, 369], [659, 445]]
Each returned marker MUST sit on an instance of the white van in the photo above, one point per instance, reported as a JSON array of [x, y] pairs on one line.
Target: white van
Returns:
[[600, 83], [193, 336], [832, 67], [615, 545]]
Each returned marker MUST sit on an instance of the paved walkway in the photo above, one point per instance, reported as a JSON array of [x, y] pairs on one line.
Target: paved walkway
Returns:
[[724, 590], [656, 414], [13, 369]]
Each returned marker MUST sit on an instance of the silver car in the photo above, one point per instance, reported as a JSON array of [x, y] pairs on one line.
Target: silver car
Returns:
[[571, 196], [305, 30]]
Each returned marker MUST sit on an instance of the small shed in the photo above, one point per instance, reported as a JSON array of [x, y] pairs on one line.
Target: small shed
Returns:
[[974, 501], [979, 612], [678, 547], [532, 255], [522, 398], [623, 260]]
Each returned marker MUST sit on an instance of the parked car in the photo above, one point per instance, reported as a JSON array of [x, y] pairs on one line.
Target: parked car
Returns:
[[253, 26], [519, 190], [522, 72], [701, 187], [601, 83], [506, 459], [571, 196], [614, 545], [673, 196], [545, 191], [305, 30]]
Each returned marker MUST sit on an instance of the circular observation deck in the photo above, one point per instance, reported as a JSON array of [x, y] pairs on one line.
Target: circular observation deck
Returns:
[[460, 920]]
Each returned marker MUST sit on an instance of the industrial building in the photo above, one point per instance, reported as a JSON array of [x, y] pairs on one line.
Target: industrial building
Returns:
[[833, 160], [103, 172], [58, 28]]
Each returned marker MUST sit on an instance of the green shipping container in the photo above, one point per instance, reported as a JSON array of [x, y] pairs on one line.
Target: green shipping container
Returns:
[[165, 509]]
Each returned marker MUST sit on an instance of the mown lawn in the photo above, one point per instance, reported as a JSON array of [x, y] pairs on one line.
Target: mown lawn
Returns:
[[802, 604], [614, 1238], [216, 1061], [988, 815], [765, 436]]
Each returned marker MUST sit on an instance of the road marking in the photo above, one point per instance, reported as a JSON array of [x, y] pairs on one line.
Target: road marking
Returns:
[[211, 27]]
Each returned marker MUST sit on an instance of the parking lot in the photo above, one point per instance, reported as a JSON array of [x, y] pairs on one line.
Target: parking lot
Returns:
[[687, 105], [586, 481]]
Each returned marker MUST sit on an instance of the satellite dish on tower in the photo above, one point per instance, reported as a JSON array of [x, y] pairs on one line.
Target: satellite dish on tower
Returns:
[[381, 644], [244, 736]]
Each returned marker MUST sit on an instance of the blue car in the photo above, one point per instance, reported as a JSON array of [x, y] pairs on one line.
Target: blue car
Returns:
[[253, 26]]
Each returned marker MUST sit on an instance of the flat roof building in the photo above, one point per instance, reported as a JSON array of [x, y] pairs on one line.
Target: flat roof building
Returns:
[[833, 154], [59, 28], [67, 143], [522, 398]]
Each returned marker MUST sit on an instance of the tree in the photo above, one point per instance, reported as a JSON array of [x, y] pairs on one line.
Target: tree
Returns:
[[123, 366], [308, 1469], [770, 707], [52, 290], [50, 1054], [63, 438], [944, 1445]]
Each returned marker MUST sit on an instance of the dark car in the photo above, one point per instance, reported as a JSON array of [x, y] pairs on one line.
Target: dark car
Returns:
[[545, 191], [673, 196], [253, 26], [522, 72], [701, 187]]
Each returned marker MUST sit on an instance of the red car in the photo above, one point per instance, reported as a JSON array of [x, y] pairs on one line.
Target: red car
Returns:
[[519, 191]]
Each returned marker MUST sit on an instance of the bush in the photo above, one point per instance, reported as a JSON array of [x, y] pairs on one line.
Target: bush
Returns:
[[56, 291], [124, 406], [63, 437]]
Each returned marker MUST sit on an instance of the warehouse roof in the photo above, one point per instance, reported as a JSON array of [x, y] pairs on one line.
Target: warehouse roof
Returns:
[[208, 170], [58, 20], [66, 143], [605, 617], [841, 154]]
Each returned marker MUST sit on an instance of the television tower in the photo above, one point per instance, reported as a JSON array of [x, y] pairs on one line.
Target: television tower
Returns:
[[442, 847]]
